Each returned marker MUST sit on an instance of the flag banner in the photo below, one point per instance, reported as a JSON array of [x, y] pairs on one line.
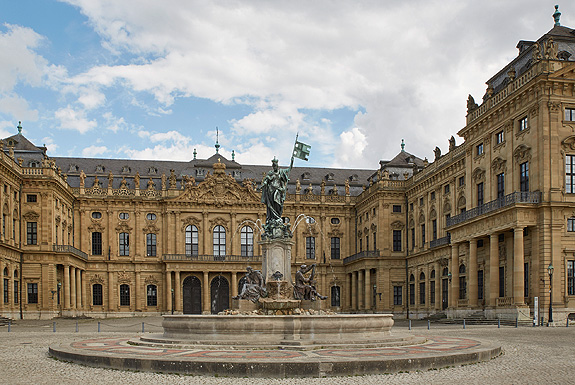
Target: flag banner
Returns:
[[301, 150]]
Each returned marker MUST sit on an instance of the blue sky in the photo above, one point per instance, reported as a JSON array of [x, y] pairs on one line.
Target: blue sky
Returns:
[[146, 79]]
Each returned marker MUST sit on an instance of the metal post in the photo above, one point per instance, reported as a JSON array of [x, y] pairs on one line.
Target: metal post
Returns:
[[76, 326], [409, 324], [428, 324], [550, 271], [98, 326], [54, 326], [142, 327], [10, 325], [516, 322], [464, 323], [498, 323]]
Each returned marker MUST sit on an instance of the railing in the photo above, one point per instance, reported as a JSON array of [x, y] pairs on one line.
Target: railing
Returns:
[[212, 258], [70, 249], [360, 255], [505, 301], [440, 241], [507, 200]]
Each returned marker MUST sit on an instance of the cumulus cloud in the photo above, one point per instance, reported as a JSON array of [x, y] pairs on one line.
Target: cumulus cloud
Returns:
[[93, 151], [74, 120]]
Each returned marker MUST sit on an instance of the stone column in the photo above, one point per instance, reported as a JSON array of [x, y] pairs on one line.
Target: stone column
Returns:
[[85, 300], [518, 267], [367, 292], [360, 287], [138, 292], [354, 290], [178, 291], [206, 309], [67, 287], [454, 274], [111, 298], [72, 287], [206, 235], [347, 292], [493, 269], [472, 273], [437, 286], [180, 247], [78, 289], [234, 284], [2, 271], [168, 291]]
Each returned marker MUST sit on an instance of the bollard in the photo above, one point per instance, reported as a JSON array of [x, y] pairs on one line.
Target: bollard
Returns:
[[516, 322], [498, 323], [542, 319], [142, 327], [567, 325], [428, 324], [54, 326], [76, 326], [409, 324], [98, 326], [464, 323], [10, 326]]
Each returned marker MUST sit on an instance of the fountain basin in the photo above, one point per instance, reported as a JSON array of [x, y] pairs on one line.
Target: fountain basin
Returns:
[[279, 304]]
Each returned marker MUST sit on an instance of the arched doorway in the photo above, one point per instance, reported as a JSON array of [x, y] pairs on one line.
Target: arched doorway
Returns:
[[220, 294], [192, 295]]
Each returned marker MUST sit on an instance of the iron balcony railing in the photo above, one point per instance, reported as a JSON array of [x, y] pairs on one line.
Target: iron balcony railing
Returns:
[[70, 249], [362, 254], [507, 200], [212, 258], [440, 241]]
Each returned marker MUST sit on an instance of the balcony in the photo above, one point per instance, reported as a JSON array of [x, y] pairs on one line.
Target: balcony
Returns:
[[361, 255], [507, 200], [211, 258], [70, 249], [440, 241]]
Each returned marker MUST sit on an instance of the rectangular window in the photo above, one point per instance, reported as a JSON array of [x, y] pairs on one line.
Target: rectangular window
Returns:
[[422, 293], [523, 124], [397, 295], [96, 243], [32, 293], [480, 284], [32, 233], [434, 229], [124, 244], [310, 247], [422, 235], [421, 201], [524, 177], [499, 137], [501, 281], [411, 206], [412, 238], [31, 198], [16, 291], [374, 242], [335, 248], [396, 240], [151, 245], [124, 295], [479, 194], [432, 292], [461, 181], [396, 208], [570, 277], [446, 189], [247, 242], [432, 196], [97, 298], [4, 225], [526, 280], [367, 242], [412, 293], [6, 291], [462, 288], [152, 295], [479, 149], [570, 114], [360, 244], [500, 185], [570, 174]]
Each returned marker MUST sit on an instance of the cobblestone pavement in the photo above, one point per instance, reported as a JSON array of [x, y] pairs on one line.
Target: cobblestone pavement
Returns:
[[531, 356]]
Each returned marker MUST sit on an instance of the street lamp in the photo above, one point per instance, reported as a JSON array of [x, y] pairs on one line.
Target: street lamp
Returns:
[[550, 271], [172, 301]]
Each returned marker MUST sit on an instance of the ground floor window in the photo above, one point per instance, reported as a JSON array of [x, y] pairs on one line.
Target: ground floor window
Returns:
[[480, 284], [501, 281], [32, 293], [335, 297], [432, 292], [16, 291], [397, 295], [152, 295], [124, 295], [6, 292], [97, 299], [570, 277]]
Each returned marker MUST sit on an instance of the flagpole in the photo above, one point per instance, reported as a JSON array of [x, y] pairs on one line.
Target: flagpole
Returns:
[[291, 164]]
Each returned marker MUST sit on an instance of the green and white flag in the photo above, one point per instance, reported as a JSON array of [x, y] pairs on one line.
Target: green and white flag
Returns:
[[301, 150]]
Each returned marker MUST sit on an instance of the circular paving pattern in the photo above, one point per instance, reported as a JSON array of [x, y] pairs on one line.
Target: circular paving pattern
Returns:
[[120, 353]]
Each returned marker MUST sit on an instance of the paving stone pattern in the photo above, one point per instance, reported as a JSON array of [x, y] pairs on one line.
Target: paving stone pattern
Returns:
[[531, 356]]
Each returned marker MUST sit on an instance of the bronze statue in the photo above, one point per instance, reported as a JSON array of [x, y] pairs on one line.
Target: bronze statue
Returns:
[[274, 187], [304, 288], [255, 286]]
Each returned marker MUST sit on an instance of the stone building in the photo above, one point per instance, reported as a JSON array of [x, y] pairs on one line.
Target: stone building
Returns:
[[474, 231]]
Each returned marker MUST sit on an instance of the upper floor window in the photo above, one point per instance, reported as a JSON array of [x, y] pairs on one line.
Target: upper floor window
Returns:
[[446, 189], [247, 241], [500, 185], [570, 174], [570, 114], [499, 137], [335, 250], [32, 233], [396, 208], [479, 194], [219, 240], [524, 177], [479, 149], [309, 220], [432, 196], [523, 124], [396, 240], [124, 239], [461, 181], [192, 240], [96, 243], [310, 247], [571, 224], [151, 245], [411, 206], [151, 216], [124, 216], [421, 201], [96, 215], [334, 221], [31, 198]]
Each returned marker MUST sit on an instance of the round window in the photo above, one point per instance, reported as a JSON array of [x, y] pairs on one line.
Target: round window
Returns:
[[335, 221], [96, 215], [309, 220], [124, 215], [151, 217], [285, 219]]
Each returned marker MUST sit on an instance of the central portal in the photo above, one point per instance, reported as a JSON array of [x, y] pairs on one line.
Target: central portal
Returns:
[[192, 288]]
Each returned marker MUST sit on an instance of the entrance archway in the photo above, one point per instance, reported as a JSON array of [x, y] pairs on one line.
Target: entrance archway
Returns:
[[220, 294], [192, 293]]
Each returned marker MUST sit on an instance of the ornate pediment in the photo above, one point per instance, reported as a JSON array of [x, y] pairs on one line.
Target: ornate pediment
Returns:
[[190, 221], [97, 279], [397, 225], [498, 165], [568, 143], [123, 277], [151, 229], [151, 280], [335, 233], [478, 174], [522, 153], [31, 216], [96, 227], [123, 228], [218, 221]]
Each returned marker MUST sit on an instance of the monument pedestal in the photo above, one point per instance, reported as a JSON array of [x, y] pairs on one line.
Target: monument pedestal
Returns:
[[276, 256]]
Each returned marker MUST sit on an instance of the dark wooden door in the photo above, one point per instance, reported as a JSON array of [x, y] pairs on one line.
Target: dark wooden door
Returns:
[[444, 294], [192, 291], [220, 294]]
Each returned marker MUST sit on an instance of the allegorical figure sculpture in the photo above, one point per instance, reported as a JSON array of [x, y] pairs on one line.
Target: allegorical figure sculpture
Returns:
[[274, 187], [305, 287], [255, 286]]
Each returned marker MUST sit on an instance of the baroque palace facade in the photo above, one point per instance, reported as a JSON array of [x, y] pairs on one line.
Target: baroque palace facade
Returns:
[[473, 231]]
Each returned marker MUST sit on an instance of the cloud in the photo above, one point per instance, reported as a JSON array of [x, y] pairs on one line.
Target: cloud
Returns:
[[74, 120], [352, 144], [93, 151], [18, 108], [49, 143]]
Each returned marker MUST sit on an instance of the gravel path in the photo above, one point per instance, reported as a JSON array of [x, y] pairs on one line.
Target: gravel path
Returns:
[[531, 356]]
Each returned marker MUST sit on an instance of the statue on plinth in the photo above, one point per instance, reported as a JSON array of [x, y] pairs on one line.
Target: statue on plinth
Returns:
[[274, 188], [255, 286], [305, 287]]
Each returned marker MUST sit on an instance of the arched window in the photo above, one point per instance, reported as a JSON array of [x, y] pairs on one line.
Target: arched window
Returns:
[[411, 289], [152, 295], [462, 283], [422, 288], [432, 287], [191, 240], [97, 299], [247, 242], [124, 295], [335, 297], [124, 244], [151, 245], [219, 240]]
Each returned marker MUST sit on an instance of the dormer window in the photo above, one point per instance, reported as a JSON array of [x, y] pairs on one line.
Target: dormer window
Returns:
[[126, 170], [73, 168], [152, 171], [34, 164], [200, 172], [100, 168], [306, 176], [329, 177], [354, 178], [237, 174]]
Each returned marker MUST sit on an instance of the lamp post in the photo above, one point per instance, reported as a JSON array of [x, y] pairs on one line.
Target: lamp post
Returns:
[[172, 301], [550, 271]]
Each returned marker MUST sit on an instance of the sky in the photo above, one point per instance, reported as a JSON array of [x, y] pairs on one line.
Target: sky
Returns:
[[148, 79]]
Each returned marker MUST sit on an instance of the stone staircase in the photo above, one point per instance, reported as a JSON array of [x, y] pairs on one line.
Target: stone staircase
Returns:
[[4, 321], [478, 318]]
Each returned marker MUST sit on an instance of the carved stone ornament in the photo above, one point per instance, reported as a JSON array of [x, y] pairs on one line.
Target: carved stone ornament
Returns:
[[96, 227], [478, 174], [335, 233], [97, 279], [498, 165], [522, 153], [554, 107], [422, 218], [190, 221], [151, 280], [568, 143], [123, 277], [218, 221], [151, 229], [57, 219], [373, 227], [397, 225], [461, 202], [446, 206], [123, 228], [31, 216], [432, 214]]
